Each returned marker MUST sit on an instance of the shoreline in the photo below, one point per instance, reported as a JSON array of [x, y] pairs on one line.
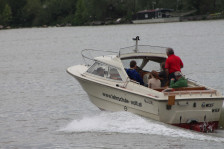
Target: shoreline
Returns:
[[69, 25]]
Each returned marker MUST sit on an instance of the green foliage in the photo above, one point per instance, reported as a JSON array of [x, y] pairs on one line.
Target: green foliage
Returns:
[[81, 15], [6, 15], [2, 5], [30, 12], [80, 12], [55, 12], [17, 14], [97, 9]]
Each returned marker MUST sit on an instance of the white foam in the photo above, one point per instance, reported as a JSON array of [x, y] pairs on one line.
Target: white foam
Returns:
[[125, 122]]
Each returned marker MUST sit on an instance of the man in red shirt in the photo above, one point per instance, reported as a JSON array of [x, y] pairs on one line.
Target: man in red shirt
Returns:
[[173, 63]]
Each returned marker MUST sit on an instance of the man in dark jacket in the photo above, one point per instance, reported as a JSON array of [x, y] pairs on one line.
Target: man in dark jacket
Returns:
[[133, 74], [181, 81]]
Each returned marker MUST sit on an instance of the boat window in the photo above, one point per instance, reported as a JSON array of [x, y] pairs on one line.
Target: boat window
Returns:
[[152, 66], [98, 69], [114, 74], [104, 70], [146, 16], [159, 14]]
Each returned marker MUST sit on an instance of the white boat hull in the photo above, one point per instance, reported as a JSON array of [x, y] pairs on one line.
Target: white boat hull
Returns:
[[119, 99]]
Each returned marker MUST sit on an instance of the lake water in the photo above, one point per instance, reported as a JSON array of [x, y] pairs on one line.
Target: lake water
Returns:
[[41, 106]]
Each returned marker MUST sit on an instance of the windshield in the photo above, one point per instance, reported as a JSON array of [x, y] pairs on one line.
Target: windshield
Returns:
[[105, 71], [145, 65], [126, 62]]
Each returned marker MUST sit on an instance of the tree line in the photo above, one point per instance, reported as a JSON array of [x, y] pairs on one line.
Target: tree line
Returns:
[[28, 13]]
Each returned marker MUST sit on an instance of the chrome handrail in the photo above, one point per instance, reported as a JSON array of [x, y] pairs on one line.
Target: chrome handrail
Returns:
[[89, 55], [142, 49]]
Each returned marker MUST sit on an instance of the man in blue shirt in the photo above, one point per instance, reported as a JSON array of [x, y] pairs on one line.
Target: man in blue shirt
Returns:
[[133, 74]]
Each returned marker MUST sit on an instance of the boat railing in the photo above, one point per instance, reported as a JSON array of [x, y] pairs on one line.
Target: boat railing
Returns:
[[88, 55], [142, 49], [190, 92]]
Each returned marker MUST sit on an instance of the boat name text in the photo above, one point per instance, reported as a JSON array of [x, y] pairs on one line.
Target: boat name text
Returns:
[[136, 103], [207, 105], [148, 101], [121, 99], [215, 110]]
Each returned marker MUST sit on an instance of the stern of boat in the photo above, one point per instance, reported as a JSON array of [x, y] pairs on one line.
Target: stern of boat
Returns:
[[196, 110]]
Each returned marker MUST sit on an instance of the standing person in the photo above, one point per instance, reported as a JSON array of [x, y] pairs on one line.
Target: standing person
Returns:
[[154, 82], [173, 63], [163, 76], [133, 74]]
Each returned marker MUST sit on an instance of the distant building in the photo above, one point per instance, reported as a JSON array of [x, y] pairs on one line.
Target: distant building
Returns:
[[153, 14]]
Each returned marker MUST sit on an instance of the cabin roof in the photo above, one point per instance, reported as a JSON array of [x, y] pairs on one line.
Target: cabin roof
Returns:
[[115, 61], [154, 53], [112, 60]]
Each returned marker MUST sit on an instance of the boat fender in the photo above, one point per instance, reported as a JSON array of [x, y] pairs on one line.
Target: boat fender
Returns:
[[171, 100]]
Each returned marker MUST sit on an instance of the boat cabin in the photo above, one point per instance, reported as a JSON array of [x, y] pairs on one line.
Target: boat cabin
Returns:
[[112, 67]]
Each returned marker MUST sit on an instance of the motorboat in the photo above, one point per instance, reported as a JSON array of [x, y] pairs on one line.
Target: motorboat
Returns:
[[196, 107]]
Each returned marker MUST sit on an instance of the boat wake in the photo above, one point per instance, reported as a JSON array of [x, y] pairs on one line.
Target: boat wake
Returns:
[[125, 122]]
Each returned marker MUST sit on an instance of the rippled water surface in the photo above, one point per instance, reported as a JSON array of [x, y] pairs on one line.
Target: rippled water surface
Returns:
[[43, 107]]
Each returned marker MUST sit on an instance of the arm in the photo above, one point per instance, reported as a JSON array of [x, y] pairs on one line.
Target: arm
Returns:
[[181, 64], [167, 68], [149, 84], [167, 73], [139, 78]]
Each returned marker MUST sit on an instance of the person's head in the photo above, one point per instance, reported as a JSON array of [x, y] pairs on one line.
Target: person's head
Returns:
[[100, 71], [154, 74], [133, 64], [178, 74], [169, 51]]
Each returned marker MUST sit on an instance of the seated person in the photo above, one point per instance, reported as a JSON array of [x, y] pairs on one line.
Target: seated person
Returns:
[[100, 72], [140, 71], [154, 81], [163, 76], [114, 74], [146, 78], [133, 74], [181, 81]]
